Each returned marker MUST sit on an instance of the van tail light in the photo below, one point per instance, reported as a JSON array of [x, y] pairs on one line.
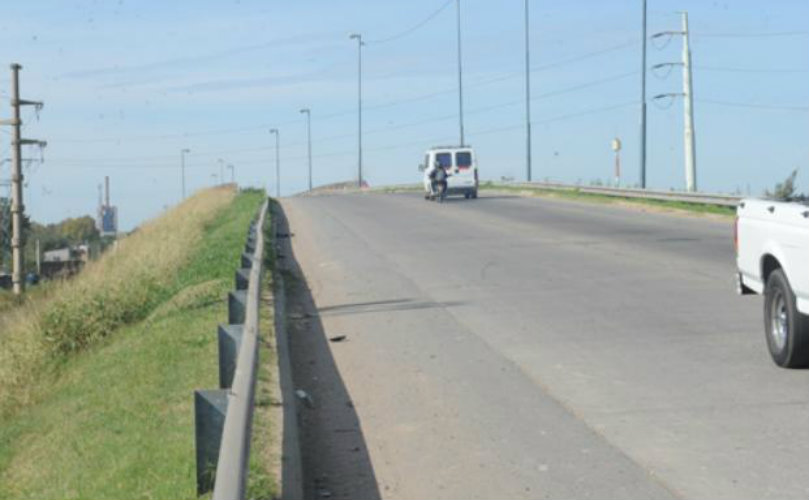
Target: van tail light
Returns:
[[736, 235]]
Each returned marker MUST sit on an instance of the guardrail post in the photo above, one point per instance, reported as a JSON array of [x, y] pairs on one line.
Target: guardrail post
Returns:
[[230, 340], [210, 408], [242, 279], [237, 306]]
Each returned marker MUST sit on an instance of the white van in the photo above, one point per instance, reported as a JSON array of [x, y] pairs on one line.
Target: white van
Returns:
[[460, 164]]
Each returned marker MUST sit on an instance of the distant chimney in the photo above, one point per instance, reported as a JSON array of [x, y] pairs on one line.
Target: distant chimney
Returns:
[[107, 191]]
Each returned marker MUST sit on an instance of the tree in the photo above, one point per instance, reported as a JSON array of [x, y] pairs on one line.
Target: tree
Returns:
[[79, 230], [785, 191]]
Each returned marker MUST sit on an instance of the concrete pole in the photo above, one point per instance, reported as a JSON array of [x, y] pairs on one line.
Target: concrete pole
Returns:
[[688, 108], [358, 37], [17, 206], [182, 168], [308, 114], [39, 260], [527, 97], [643, 103], [460, 71], [277, 162]]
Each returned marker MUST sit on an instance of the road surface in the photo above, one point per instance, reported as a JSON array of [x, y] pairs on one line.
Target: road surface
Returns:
[[512, 347]]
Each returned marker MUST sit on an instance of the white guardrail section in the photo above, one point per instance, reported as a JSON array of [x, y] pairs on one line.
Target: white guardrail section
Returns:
[[234, 452], [724, 200]]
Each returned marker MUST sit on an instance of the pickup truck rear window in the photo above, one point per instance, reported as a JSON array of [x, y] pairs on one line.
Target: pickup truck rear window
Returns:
[[463, 159], [444, 159]]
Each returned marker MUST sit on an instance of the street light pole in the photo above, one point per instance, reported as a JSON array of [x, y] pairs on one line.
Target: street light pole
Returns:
[[643, 103], [460, 72], [358, 37], [527, 97], [182, 168], [308, 114], [277, 162], [221, 171], [232, 173]]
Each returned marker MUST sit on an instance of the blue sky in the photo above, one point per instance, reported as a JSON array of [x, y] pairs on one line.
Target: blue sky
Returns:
[[128, 84]]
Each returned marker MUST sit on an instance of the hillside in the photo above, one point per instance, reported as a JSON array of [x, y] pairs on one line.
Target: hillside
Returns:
[[97, 400]]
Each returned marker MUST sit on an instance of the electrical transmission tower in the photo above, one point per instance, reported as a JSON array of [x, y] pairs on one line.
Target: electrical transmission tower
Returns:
[[688, 102]]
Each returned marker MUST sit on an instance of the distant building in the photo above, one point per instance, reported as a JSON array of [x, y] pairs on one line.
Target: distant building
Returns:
[[64, 262], [107, 218]]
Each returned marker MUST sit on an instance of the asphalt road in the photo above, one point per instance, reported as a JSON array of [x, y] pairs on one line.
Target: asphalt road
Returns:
[[522, 347]]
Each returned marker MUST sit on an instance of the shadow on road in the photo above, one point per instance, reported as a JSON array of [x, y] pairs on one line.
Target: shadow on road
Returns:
[[384, 306], [335, 459]]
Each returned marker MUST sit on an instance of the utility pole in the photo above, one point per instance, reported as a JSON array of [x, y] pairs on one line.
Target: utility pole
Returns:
[[358, 37], [688, 109], [39, 259], [182, 167], [643, 103], [527, 97], [17, 206], [308, 114], [616, 147], [460, 72], [232, 173], [277, 162], [688, 103], [221, 171]]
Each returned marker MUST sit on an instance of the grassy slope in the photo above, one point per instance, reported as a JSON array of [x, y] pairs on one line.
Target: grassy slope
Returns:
[[118, 420]]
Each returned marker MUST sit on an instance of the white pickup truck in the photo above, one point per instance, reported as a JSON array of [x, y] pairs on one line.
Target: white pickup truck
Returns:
[[772, 257]]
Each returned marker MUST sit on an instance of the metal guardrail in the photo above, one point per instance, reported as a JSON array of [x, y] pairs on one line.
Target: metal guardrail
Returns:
[[724, 200], [647, 194], [224, 417]]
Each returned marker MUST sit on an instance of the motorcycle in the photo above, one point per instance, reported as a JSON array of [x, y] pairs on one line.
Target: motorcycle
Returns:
[[438, 185]]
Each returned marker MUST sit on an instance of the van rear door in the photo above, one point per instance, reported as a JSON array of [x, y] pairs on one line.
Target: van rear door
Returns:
[[464, 169]]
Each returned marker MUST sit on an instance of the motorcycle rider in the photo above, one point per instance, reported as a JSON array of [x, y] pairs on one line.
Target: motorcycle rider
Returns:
[[438, 178]]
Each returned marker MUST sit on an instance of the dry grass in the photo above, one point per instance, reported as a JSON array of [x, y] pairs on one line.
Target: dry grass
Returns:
[[121, 288]]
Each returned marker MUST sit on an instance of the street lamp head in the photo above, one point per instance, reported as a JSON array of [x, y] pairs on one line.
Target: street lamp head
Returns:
[[273, 130], [355, 36], [305, 110], [186, 150]]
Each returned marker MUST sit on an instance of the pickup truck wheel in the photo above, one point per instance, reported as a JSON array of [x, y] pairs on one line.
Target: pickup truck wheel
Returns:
[[786, 329]]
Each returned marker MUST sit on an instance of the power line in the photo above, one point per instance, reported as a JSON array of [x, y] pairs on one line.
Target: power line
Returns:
[[567, 116], [414, 28], [774, 107], [484, 109], [327, 116], [752, 70], [774, 34]]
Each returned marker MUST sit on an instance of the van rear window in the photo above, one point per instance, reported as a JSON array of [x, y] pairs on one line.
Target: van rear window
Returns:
[[463, 159], [444, 159]]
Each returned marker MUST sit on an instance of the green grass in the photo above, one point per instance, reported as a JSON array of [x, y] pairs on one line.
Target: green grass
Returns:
[[114, 419], [573, 194]]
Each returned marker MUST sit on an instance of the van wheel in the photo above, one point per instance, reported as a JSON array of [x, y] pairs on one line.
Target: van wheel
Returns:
[[475, 194], [467, 195], [786, 329]]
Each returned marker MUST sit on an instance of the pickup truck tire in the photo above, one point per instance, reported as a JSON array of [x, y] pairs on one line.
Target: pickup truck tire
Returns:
[[786, 329]]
